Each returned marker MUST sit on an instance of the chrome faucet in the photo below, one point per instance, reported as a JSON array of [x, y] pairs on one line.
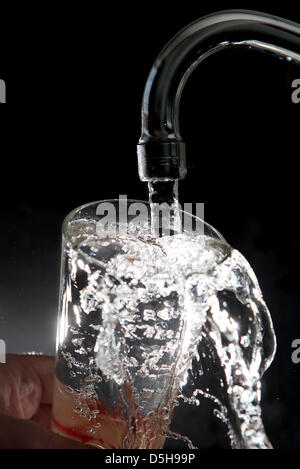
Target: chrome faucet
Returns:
[[161, 150]]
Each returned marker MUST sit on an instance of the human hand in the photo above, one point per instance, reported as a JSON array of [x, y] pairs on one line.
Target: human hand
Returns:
[[26, 387]]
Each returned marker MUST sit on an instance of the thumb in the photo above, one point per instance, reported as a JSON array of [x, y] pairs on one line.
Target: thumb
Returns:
[[26, 434]]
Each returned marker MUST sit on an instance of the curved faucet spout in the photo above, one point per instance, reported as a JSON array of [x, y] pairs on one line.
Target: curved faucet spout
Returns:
[[161, 151]]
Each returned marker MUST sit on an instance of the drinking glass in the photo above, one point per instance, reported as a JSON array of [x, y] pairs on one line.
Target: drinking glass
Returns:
[[120, 326]]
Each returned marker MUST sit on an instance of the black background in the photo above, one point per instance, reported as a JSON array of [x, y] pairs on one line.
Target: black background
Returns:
[[68, 133]]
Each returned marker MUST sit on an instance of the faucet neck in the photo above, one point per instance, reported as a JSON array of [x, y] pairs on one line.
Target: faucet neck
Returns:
[[161, 151]]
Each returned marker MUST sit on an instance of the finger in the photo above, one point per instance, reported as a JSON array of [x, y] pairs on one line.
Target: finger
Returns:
[[43, 415], [43, 367], [25, 434], [26, 382]]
